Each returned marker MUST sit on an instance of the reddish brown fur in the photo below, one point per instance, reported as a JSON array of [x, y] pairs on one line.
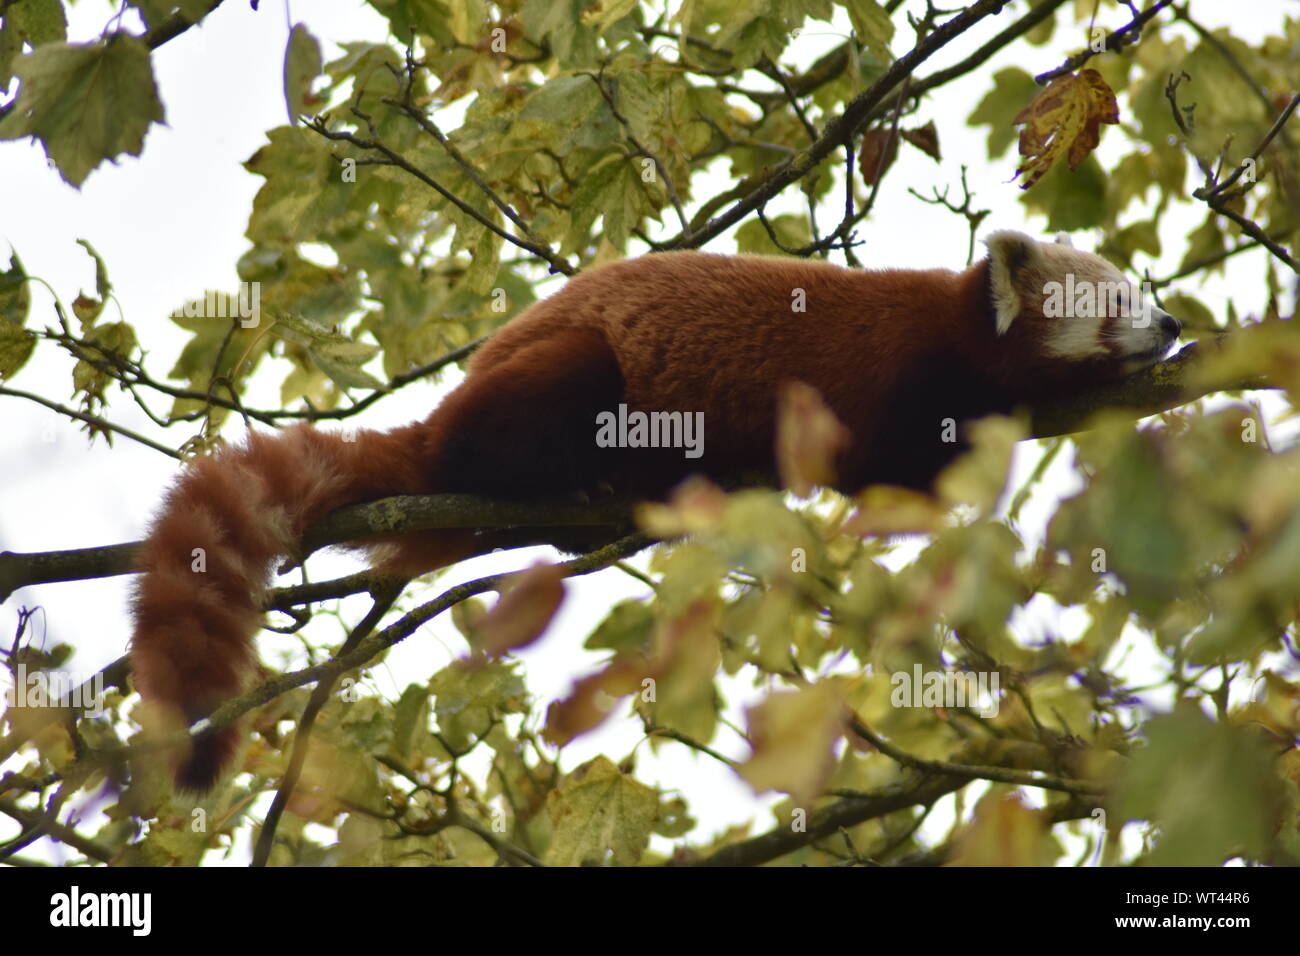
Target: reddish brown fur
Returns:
[[892, 353]]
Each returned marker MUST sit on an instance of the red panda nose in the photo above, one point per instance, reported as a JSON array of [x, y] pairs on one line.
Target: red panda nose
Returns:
[[1170, 326]]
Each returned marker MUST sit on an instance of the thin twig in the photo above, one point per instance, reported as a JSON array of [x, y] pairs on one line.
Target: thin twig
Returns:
[[375, 144], [1025, 778], [384, 595], [641, 150], [1113, 42], [93, 420], [367, 648], [843, 127]]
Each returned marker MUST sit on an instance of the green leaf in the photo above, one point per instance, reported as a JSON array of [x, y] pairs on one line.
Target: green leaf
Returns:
[[872, 26], [627, 206], [1012, 89], [629, 626], [1129, 179], [470, 701], [345, 374], [1141, 236], [411, 724], [102, 286], [601, 816], [1206, 785], [85, 102], [302, 64], [609, 12], [15, 296], [482, 272], [38, 21], [117, 337], [1071, 200], [405, 17], [595, 193], [791, 229], [760, 37], [642, 102], [304, 197], [468, 19], [302, 330], [565, 113], [1190, 311], [310, 384], [16, 347], [11, 44], [1205, 242], [559, 23]]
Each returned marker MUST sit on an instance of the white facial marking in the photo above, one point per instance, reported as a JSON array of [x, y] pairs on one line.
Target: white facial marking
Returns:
[[1088, 307]]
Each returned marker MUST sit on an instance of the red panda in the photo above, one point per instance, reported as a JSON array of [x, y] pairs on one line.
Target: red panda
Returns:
[[894, 354]]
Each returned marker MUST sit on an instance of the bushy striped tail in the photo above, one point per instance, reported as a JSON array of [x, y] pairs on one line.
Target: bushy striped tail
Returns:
[[207, 563]]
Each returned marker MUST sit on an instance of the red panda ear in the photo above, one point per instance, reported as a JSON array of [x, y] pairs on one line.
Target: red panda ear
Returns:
[[1011, 254], [1063, 239]]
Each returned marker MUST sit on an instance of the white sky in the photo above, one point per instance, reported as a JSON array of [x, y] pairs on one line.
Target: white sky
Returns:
[[170, 224]]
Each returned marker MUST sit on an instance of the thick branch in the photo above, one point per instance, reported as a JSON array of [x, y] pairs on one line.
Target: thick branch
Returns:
[[848, 812], [1024, 778], [1165, 385], [386, 516], [435, 512]]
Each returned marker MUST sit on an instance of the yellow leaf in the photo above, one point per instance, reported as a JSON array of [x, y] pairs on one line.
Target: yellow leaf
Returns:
[[792, 735], [1005, 832], [1064, 120], [600, 816]]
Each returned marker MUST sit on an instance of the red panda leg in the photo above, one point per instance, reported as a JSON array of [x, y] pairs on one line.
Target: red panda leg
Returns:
[[524, 428]]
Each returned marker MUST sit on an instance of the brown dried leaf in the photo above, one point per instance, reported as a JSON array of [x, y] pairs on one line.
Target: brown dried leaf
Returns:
[[873, 157], [523, 612], [592, 699], [925, 138], [808, 438], [1064, 120]]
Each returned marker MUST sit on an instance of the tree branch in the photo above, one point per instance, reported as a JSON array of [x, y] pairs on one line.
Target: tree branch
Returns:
[[1113, 42], [173, 26], [34, 820], [848, 812], [1163, 386], [94, 421], [386, 516], [843, 127], [375, 144], [367, 648], [384, 597], [1023, 778]]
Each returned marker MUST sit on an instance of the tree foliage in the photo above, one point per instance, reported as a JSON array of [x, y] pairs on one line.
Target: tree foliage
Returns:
[[1137, 655]]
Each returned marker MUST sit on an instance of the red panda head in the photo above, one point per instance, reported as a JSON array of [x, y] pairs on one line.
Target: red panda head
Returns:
[[1074, 306]]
